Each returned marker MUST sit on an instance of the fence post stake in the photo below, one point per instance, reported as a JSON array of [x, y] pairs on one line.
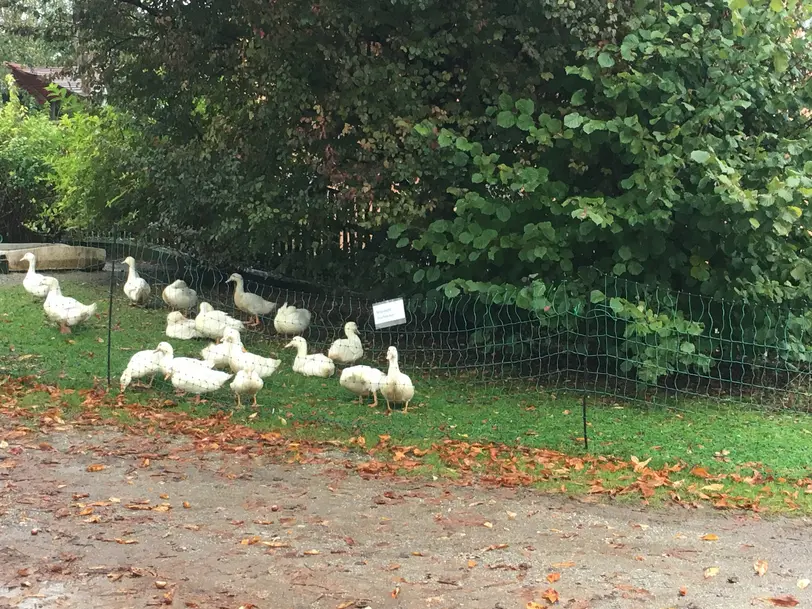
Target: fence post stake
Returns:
[[110, 314], [583, 411]]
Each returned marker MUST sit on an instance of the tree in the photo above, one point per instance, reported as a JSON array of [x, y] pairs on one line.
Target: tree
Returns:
[[295, 119], [679, 158], [34, 33]]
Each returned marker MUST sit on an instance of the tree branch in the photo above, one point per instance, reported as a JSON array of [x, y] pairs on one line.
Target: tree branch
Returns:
[[142, 6]]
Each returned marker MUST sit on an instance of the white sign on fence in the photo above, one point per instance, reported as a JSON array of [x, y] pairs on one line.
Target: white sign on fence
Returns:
[[389, 313]]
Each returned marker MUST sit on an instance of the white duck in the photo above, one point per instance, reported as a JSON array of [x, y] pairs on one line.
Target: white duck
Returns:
[[396, 387], [347, 350], [145, 363], [169, 360], [63, 310], [211, 323], [219, 353], [33, 282], [362, 381], [315, 364], [290, 320], [246, 382], [241, 359], [178, 326], [193, 376], [178, 295], [136, 287], [249, 302]]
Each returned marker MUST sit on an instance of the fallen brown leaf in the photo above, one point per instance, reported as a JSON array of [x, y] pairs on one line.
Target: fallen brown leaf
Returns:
[[496, 546], [700, 472], [187, 505], [781, 601], [683, 591], [803, 584], [711, 572], [553, 577], [311, 552], [710, 537], [760, 567], [96, 467], [550, 595], [126, 542], [471, 564], [563, 565], [160, 585]]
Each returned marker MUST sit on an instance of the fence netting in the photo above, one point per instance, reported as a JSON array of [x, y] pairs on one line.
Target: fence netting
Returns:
[[167, 321]]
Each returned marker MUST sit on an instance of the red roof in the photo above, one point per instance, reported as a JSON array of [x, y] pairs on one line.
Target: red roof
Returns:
[[34, 80]]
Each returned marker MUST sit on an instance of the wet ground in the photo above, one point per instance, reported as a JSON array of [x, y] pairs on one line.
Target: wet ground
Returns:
[[97, 518]]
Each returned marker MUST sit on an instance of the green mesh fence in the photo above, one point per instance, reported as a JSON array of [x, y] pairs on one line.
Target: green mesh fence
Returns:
[[626, 342]]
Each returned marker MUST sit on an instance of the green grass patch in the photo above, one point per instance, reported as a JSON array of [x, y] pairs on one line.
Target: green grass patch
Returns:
[[721, 438]]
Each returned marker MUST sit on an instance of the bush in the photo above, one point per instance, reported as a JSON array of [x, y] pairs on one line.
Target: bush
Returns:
[[27, 137], [679, 158], [282, 124]]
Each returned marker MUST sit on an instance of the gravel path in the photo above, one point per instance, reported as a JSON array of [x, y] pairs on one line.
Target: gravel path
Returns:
[[93, 518]]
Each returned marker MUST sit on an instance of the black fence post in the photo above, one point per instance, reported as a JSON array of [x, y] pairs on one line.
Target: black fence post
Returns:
[[583, 411], [110, 312]]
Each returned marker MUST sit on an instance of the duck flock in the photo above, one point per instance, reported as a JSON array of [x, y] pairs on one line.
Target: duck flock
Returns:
[[227, 359]]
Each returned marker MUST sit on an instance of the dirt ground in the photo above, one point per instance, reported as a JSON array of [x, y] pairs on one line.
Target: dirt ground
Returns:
[[162, 525]]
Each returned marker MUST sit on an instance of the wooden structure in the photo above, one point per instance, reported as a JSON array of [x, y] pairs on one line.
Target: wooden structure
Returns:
[[35, 81]]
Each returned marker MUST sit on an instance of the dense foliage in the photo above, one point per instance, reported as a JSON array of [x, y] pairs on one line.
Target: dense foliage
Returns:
[[26, 139], [590, 162], [679, 157], [291, 121], [36, 33]]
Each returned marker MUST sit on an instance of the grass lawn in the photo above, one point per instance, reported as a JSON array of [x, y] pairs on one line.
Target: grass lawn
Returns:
[[722, 439]]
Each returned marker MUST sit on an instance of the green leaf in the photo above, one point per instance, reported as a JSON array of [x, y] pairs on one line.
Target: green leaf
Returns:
[[798, 273], [403, 242], [525, 122], [445, 139], [578, 98], [780, 61], [503, 213], [616, 304], [619, 268], [418, 275], [700, 156], [634, 267], [451, 291], [422, 129], [462, 144], [460, 159], [777, 5], [754, 223], [505, 101], [625, 253], [477, 178], [395, 231], [596, 296], [605, 60], [525, 106], [687, 347], [505, 119], [573, 120]]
